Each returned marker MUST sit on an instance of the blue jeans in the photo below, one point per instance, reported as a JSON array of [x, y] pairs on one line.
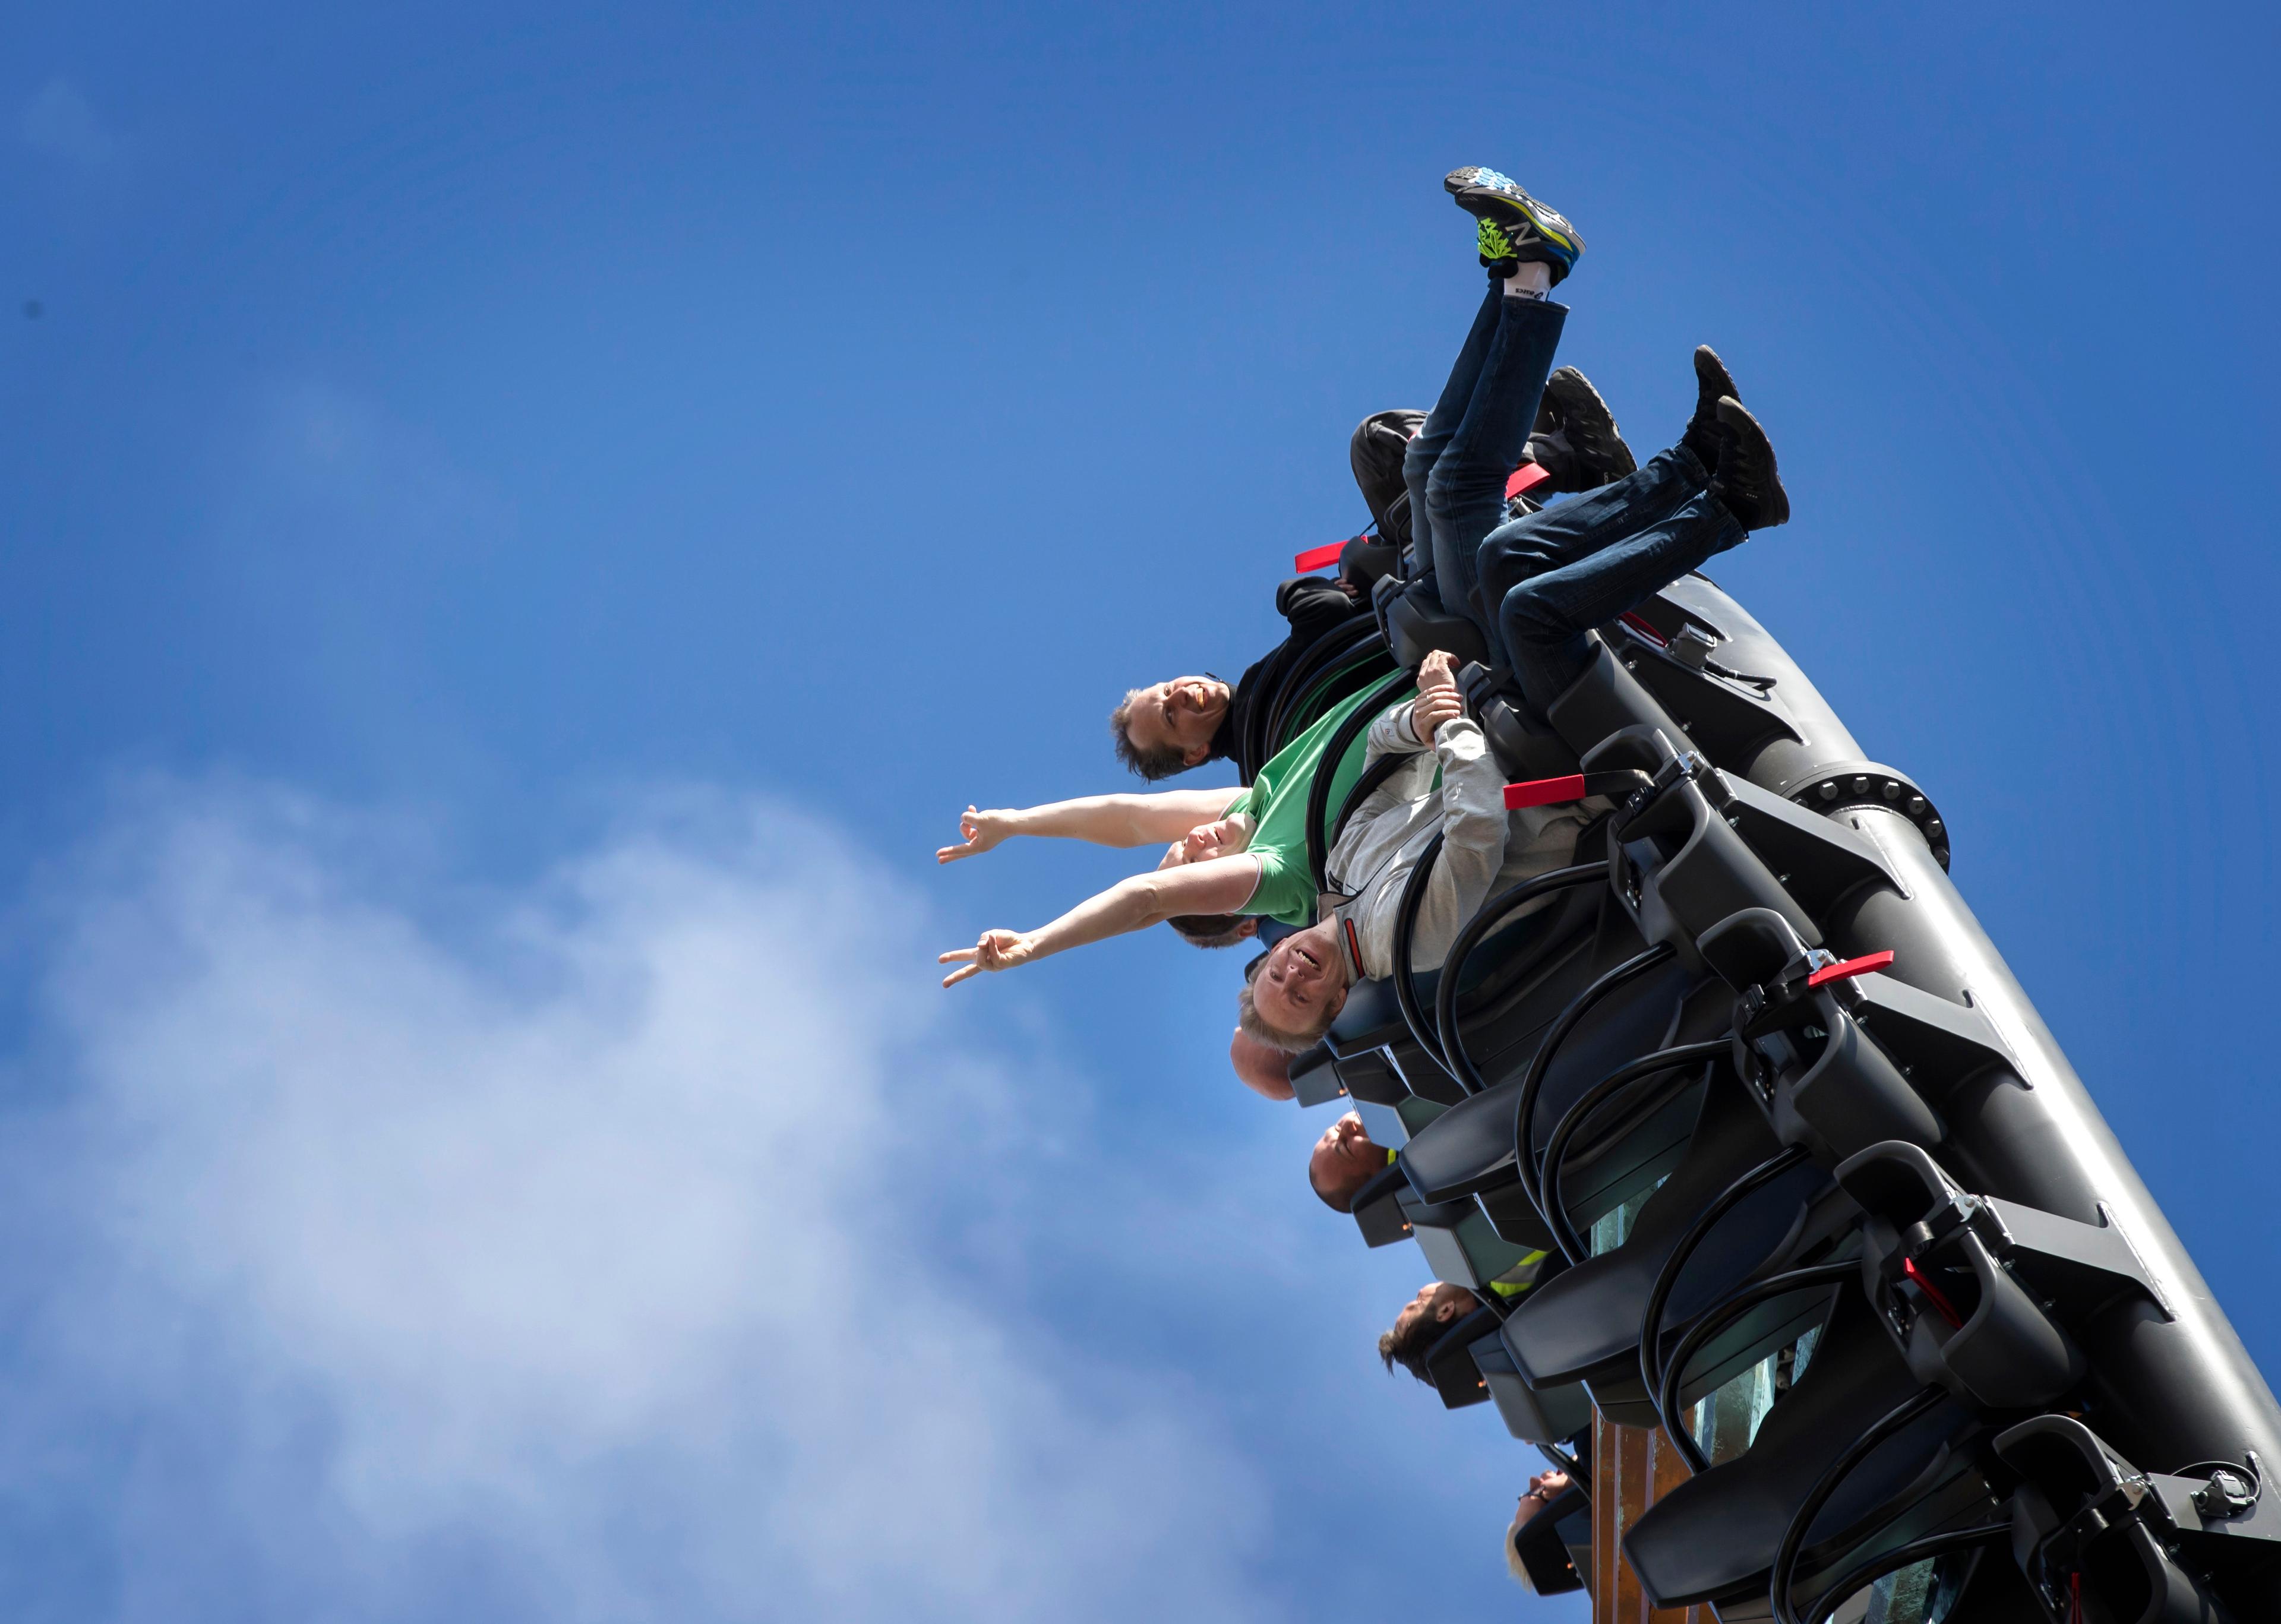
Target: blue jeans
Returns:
[[1554, 574], [1471, 441]]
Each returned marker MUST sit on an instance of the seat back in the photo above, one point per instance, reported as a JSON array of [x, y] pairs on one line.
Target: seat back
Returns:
[[1555, 1546], [1416, 625], [1534, 1415], [1714, 1538]]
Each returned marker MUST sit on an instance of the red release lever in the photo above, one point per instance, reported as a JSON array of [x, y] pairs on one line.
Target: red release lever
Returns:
[[1639, 623], [1318, 558], [1923, 1282], [1527, 477], [1847, 968], [1545, 791]]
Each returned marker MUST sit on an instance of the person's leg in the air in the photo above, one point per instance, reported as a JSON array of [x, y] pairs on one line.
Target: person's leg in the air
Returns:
[[1465, 494], [1542, 621], [1441, 422], [1489, 403], [1552, 538]]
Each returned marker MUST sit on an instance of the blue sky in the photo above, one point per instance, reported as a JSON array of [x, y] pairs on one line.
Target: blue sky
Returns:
[[523, 526]]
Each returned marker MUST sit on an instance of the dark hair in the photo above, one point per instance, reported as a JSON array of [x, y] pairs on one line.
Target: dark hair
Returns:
[[1409, 1349], [1210, 930], [1151, 765]]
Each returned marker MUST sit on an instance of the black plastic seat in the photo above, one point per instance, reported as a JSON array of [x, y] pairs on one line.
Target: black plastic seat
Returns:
[[1460, 1243], [1586, 1324], [1268, 730], [1416, 625], [1369, 1076], [1375, 1041], [1534, 1415], [1714, 1538], [1555, 1544], [1620, 1156], [1522, 741], [1450, 1362], [1533, 966], [1603, 701], [1342, 679], [1372, 1015], [1315, 1079], [1470, 1146]]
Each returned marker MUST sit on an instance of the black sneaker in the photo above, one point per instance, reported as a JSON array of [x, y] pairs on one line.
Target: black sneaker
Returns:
[[1746, 481], [1586, 431], [1514, 226], [1548, 448], [1711, 381]]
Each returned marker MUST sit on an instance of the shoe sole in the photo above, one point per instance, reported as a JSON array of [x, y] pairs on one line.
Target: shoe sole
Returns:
[[1573, 395], [1578, 402], [1490, 202], [1712, 378], [1738, 420]]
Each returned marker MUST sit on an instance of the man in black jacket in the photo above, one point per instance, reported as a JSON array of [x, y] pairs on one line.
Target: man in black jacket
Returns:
[[1169, 727]]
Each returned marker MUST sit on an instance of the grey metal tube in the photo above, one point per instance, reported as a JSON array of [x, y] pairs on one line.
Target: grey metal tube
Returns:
[[2172, 1391]]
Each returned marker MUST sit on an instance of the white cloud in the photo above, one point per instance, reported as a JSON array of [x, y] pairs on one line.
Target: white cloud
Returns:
[[404, 1250], [57, 120]]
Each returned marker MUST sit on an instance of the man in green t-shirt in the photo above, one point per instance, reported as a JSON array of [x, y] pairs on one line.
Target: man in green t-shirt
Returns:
[[1242, 851], [1269, 820]]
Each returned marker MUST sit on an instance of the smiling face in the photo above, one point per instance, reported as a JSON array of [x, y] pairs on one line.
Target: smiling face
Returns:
[[1344, 1160], [1180, 716], [1304, 982]]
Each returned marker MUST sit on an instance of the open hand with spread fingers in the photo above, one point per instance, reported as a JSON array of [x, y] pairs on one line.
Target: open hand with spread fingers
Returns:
[[1438, 699], [995, 950], [981, 829]]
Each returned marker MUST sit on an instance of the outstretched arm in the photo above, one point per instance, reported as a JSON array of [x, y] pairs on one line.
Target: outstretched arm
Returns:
[[1105, 820], [1219, 886]]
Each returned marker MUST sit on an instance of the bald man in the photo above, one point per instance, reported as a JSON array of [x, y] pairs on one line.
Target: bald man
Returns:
[[1261, 1067], [1344, 1159]]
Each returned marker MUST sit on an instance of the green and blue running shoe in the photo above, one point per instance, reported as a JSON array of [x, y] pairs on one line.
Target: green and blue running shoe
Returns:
[[1514, 226]]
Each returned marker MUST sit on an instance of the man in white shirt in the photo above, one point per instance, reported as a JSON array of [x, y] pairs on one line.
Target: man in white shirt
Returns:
[[1298, 990]]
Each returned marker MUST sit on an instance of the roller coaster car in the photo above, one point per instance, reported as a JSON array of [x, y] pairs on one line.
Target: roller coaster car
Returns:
[[1586, 1324], [1471, 1148], [1872, 1138], [1465, 1151], [1715, 1537]]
